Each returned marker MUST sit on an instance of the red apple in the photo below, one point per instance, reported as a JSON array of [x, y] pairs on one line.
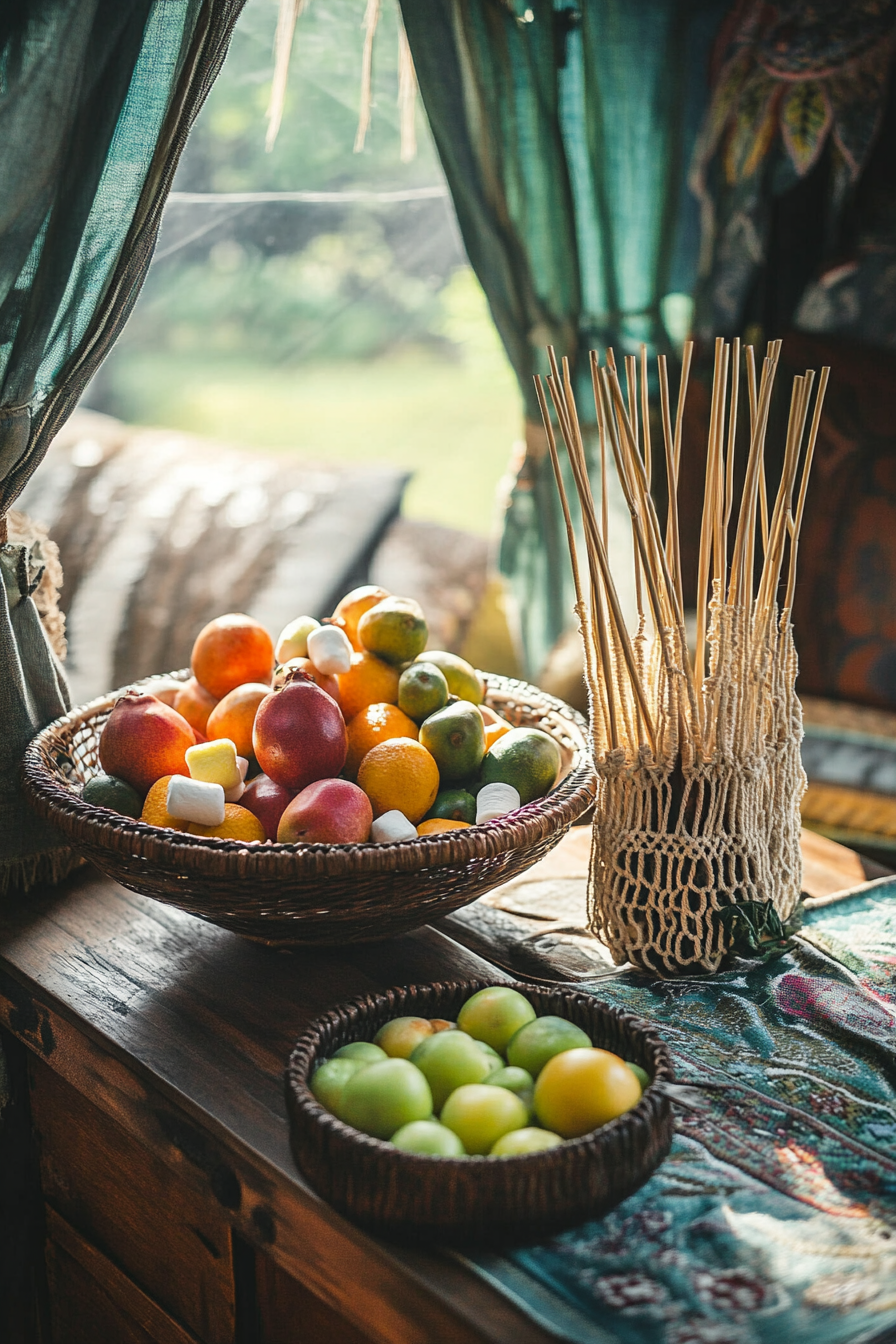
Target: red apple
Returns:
[[299, 734], [266, 801], [328, 812]]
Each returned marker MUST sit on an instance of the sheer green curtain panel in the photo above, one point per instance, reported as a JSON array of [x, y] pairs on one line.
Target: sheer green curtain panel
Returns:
[[96, 100], [565, 131]]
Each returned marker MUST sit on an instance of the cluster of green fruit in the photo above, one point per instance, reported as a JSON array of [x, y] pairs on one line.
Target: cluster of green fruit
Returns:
[[478, 1086]]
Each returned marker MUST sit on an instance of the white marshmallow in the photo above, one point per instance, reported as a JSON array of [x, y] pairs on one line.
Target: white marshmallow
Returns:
[[242, 765], [330, 650], [235, 794], [496, 800], [194, 800], [392, 826]]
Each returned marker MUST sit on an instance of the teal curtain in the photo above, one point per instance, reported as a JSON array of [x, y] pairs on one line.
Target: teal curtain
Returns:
[[565, 131], [96, 100]]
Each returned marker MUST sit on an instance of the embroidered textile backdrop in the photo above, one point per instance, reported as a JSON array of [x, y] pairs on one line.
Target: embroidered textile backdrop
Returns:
[[96, 99]]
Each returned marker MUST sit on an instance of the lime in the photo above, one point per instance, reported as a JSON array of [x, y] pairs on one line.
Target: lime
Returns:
[[395, 629], [422, 689], [453, 805], [480, 1115], [455, 738], [462, 678], [109, 791], [527, 758]]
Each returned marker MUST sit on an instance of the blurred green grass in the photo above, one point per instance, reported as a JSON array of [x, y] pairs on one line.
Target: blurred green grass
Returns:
[[450, 416]]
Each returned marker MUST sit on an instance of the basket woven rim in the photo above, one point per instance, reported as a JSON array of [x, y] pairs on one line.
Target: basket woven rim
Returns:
[[57, 803], [306, 1049]]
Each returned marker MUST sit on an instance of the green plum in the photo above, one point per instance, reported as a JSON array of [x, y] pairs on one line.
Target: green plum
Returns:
[[494, 1015], [329, 1080], [538, 1041], [428, 1137], [382, 1097], [365, 1050], [518, 1081], [448, 1059], [480, 1115], [400, 1037], [642, 1076], [521, 1141]]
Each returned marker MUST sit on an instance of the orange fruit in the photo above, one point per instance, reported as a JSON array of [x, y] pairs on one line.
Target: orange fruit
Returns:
[[238, 824], [234, 715], [375, 724], [439, 824], [353, 606], [155, 809], [369, 681], [401, 774], [195, 703], [231, 650], [493, 731]]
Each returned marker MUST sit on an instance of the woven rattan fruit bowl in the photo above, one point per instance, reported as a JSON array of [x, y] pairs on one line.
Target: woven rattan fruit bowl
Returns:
[[477, 1201], [291, 895]]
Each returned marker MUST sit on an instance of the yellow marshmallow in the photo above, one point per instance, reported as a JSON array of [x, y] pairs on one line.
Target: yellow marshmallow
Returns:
[[214, 763]]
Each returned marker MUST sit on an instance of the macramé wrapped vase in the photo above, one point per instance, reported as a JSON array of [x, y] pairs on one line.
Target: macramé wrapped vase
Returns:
[[696, 836], [680, 845]]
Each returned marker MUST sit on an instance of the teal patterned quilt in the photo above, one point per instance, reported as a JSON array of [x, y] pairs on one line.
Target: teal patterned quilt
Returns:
[[774, 1217]]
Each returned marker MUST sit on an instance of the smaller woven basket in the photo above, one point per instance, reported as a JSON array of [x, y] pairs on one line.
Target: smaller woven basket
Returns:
[[477, 1201], [290, 895]]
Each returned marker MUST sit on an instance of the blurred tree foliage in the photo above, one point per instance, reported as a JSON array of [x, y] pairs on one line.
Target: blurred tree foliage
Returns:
[[281, 283]]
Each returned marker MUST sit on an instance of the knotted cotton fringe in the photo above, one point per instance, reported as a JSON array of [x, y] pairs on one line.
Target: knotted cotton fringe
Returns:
[[696, 833]]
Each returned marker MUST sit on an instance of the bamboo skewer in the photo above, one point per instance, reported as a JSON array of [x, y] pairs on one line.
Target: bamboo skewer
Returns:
[[646, 688]]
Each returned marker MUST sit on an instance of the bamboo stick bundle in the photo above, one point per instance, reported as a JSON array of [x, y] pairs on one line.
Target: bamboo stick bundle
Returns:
[[696, 830]]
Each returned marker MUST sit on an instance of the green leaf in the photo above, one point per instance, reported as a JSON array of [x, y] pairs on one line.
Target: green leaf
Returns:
[[805, 121], [755, 930]]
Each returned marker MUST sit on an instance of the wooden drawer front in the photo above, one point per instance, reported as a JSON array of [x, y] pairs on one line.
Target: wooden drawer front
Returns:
[[131, 1206], [288, 1311], [92, 1302]]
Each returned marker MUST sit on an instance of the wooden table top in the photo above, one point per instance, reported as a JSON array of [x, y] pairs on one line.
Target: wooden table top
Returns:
[[181, 1031]]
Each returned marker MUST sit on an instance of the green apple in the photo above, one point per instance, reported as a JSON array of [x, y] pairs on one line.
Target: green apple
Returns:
[[329, 1080], [642, 1076], [365, 1050], [449, 1059], [400, 1037], [494, 1015], [382, 1097], [480, 1115], [521, 1141], [538, 1041], [428, 1137]]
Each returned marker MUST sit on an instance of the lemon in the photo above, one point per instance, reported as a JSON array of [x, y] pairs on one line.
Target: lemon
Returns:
[[462, 678], [395, 629]]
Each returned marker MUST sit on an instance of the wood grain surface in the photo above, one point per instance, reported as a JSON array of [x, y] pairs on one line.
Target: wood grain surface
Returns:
[[179, 1031]]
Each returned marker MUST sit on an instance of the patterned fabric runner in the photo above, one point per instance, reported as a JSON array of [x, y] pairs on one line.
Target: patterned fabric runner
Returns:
[[774, 1217]]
